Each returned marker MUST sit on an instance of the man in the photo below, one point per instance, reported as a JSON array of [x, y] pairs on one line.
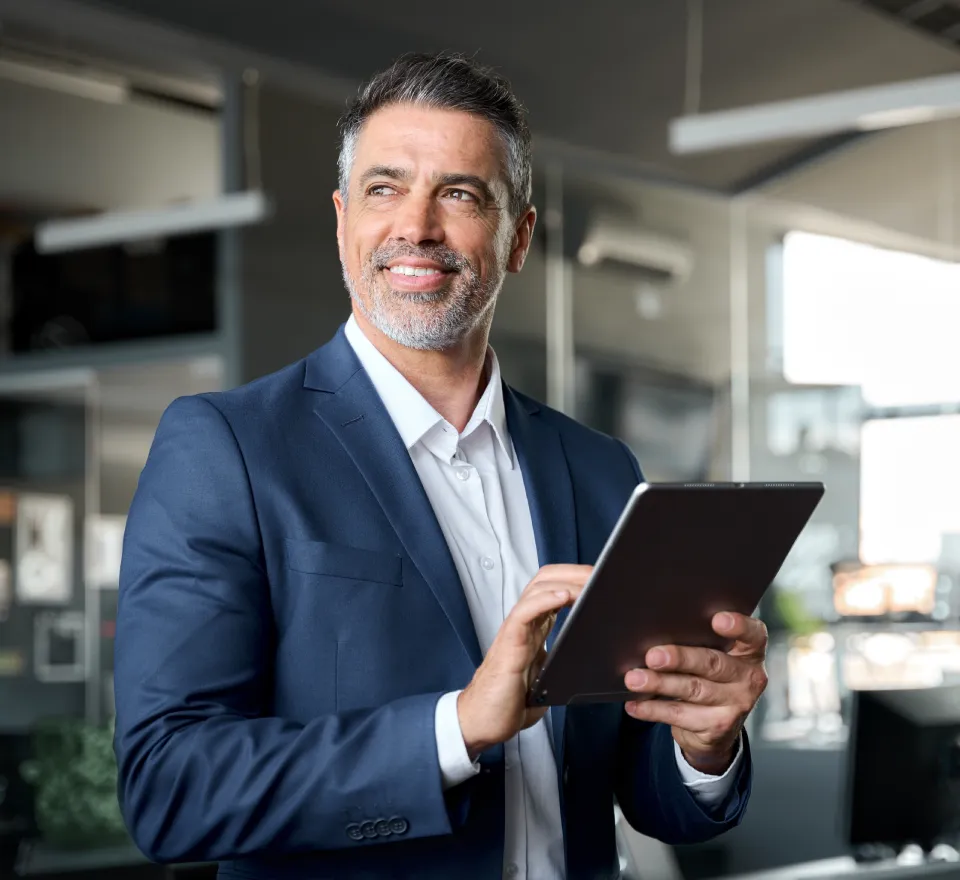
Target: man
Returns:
[[337, 581]]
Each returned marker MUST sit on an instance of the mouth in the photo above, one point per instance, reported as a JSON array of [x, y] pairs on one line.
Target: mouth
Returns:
[[417, 276]]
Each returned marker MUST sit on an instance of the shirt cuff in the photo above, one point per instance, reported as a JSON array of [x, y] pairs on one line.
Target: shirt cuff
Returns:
[[455, 763], [708, 791]]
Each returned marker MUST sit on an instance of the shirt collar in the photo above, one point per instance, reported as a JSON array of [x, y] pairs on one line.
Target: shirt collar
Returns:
[[412, 415]]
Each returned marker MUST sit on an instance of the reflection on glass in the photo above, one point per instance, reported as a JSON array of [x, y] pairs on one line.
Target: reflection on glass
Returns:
[[900, 659], [820, 669], [865, 591], [812, 676]]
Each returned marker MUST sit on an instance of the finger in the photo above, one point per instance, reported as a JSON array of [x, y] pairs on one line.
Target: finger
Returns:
[[703, 662], [554, 586], [572, 575], [750, 634], [698, 720], [531, 608], [688, 688]]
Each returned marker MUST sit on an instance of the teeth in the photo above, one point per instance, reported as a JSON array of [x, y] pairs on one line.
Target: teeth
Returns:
[[410, 270]]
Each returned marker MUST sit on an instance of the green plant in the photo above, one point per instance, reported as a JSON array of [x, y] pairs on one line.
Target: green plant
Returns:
[[793, 613], [74, 774]]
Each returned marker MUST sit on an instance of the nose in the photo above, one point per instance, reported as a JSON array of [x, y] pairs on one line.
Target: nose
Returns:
[[417, 220]]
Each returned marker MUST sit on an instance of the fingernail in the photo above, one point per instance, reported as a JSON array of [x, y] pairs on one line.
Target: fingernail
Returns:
[[725, 621], [636, 679], [631, 708], [656, 658]]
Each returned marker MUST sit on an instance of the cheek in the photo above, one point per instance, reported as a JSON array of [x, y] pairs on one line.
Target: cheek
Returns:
[[363, 233]]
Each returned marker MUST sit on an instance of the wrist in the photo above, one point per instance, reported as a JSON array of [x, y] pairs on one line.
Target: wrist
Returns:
[[711, 761], [473, 740]]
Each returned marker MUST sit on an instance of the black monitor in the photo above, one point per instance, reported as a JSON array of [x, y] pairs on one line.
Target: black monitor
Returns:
[[904, 770]]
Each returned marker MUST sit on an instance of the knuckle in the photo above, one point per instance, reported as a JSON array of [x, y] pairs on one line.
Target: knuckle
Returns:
[[696, 689], [719, 729], [714, 662], [758, 680], [674, 712]]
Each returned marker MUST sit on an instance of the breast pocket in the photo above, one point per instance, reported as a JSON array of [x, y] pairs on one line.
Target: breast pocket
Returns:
[[338, 562]]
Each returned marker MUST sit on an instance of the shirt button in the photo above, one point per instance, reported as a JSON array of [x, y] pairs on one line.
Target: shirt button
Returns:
[[487, 563], [511, 870], [463, 474]]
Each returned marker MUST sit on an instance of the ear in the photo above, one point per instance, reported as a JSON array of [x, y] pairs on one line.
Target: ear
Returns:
[[341, 209], [522, 239]]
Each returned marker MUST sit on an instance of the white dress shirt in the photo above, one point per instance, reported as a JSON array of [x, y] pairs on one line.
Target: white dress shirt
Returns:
[[475, 486]]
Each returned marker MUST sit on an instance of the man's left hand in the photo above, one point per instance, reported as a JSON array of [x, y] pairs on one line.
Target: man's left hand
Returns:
[[710, 693]]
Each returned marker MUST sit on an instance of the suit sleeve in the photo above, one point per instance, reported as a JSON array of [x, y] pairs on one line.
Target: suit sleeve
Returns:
[[205, 772], [650, 789]]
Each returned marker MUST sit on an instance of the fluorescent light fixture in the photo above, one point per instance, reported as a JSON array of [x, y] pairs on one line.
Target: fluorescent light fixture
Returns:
[[117, 227], [866, 109], [110, 90]]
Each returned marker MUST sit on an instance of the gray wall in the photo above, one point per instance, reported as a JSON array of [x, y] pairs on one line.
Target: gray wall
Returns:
[[290, 285]]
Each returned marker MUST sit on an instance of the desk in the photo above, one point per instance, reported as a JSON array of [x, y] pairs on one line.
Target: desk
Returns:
[[847, 868]]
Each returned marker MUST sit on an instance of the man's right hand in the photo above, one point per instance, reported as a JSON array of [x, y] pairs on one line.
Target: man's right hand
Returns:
[[493, 707]]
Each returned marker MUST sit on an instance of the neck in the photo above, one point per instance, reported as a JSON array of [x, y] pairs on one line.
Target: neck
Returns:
[[451, 381]]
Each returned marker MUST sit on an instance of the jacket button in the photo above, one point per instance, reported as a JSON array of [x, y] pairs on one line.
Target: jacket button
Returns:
[[566, 775], [383, 828], [399, 825], [368, 830], [354, 832]]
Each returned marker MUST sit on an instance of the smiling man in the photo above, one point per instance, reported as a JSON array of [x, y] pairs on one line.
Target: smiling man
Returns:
[[338, 581]]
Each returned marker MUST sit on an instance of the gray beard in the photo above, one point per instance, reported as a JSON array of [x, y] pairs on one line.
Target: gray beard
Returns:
[[433, 321]]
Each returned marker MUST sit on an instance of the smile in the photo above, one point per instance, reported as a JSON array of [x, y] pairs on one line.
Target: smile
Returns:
[[414, 270]]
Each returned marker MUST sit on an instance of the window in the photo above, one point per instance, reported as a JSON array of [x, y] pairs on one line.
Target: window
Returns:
[[909, 489], [860, 315]]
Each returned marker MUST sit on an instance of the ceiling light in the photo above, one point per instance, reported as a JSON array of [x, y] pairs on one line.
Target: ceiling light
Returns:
[[888, 106], [120, 227], [110, 90]]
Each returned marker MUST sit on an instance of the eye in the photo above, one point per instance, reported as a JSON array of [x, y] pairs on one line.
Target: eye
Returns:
[[460, 195], [381, 189]]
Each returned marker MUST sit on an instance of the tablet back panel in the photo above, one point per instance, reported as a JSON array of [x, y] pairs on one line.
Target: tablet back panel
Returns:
[[679, 554]]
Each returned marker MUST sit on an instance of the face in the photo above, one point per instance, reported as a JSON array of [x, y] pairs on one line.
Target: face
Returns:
[[425, 232]]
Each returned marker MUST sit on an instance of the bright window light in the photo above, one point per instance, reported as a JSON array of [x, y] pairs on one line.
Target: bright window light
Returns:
[[909, 488], [860, 315]]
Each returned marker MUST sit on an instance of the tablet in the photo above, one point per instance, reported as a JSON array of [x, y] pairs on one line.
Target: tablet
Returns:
[[679, 554]]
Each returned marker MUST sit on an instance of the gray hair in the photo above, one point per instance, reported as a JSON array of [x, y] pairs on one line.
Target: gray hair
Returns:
[[446, 81]]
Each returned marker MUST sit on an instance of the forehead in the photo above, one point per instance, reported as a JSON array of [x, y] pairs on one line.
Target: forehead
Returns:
[[430, 141]]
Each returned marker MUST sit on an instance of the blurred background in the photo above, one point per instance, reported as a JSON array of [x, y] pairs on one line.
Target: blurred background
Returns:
[[746, 266]]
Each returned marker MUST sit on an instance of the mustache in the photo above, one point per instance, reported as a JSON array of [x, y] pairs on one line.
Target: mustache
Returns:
[[447, 258]]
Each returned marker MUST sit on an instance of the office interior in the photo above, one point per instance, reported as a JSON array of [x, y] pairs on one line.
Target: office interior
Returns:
[[736, 302]]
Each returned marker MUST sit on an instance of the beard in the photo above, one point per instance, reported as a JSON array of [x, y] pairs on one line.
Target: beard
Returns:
[[431, 320]]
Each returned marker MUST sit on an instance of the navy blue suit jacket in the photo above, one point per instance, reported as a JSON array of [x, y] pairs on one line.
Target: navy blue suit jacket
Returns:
[[289, 616]]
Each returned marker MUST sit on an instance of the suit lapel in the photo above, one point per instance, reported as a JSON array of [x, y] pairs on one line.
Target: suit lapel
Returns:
[[352, 410], [546, 476]]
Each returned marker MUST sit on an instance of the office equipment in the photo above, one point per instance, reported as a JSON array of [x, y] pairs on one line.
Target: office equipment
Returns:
[[903, 785], [679, 554]]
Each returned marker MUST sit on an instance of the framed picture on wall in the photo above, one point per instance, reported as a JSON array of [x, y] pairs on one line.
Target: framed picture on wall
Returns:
[[43, 554]]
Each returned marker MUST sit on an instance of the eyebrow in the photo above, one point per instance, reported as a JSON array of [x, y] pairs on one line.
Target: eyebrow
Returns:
[[477, 183], [450, 179], [384, 171]]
